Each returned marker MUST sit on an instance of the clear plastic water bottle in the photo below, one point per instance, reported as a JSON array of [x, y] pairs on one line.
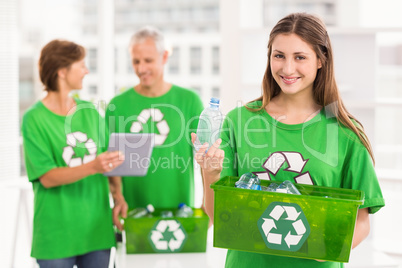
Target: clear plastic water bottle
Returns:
[[287, 187], [248, 181], [209, 124], [184, 211], [270, 188], [141, 212], [166, 214]]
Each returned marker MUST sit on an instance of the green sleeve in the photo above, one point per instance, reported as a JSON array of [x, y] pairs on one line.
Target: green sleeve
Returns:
[[37, 152], [196, 109], [360, 175], [228, 145], [89, 108], [103, 135], [110, 125]]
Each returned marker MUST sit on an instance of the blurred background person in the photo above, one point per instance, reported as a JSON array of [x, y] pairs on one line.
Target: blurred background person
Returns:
[[63, 140], [167, 110]]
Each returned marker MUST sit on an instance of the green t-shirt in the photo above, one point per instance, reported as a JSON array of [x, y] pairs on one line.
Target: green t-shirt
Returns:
[[70, 219], [319, 152], [172, 117]]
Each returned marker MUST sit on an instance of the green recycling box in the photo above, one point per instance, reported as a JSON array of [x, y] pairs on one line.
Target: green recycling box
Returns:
[[166, 235], [318, 224]]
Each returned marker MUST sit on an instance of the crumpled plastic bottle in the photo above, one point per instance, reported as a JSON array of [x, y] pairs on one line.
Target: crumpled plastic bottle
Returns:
[[166, 214], [287, 187], [141, 212], [184, 211], [248, 181], [270, 188]]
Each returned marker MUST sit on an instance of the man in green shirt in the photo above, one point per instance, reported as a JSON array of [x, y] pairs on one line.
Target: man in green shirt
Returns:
[[171, 113]]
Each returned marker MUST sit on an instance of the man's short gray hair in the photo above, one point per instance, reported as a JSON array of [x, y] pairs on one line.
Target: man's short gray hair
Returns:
[[149, 32]]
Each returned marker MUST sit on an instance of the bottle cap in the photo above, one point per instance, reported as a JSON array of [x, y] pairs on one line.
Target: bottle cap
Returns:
[[150, 208], [214, 101], [181, 205]]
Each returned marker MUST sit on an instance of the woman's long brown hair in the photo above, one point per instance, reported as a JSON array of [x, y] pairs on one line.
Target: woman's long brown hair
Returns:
[[325, 90]]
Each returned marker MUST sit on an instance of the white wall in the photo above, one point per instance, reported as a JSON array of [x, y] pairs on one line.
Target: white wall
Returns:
[[9, 134]]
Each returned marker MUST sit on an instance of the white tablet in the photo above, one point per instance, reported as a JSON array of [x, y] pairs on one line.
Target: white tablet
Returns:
[[137, 149]]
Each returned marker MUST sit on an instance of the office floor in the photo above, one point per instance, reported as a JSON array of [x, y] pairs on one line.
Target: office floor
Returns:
[[397, 258], [16, 211], [365, 256]]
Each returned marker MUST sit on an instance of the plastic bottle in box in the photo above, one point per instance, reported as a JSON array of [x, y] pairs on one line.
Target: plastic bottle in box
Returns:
[[141, 212], [166, 214], [184, 211], [270, 188], [248, 181], [287, 187]]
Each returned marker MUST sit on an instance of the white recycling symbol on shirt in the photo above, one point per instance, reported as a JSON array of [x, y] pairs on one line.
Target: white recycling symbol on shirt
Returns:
[[167, 236], [295, 162], [156, 116], [68, 151], [284, 226]]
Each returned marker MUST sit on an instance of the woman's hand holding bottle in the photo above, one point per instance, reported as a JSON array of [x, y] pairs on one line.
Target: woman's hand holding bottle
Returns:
[[210, 161]]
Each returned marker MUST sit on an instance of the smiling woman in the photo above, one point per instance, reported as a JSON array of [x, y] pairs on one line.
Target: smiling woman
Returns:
[[294, 66], [305, 115], [103, 26]]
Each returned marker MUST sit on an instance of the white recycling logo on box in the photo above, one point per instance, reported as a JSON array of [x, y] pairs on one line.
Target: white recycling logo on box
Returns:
[[167, 236], [156, 116], [68, 152], [284, 226]]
